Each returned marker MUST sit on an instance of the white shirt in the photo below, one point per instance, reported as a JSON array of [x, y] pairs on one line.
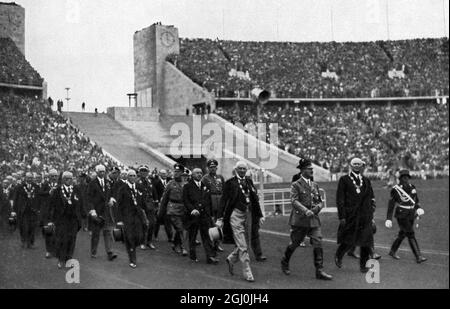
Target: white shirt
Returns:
[[198, 183], [101, 181], [131, 185], [358, 176]]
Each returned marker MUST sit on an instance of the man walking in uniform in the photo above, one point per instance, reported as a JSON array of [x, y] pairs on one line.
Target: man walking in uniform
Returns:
[[304, 220], [214, 183], [45, 192], [160, 183], [150, 200], [356, 205], [172, 205], [404, 195]]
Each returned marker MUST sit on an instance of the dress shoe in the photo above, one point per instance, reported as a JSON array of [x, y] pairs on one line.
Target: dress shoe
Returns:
[[353, 254], [112, 256], [364, 269], [212, 260], [48, 255], [250, 279], [184, 252], [338, 261], [143, 247], [93, 256], [132, 265], [321, 275], [152, 246], [176, 249], [230, 266], [60, 265], [219, 249], [261, 258], [394, 255], [195, 260], [285, 267], [421, 259], [302, 244], [197, 243], [376, 256]]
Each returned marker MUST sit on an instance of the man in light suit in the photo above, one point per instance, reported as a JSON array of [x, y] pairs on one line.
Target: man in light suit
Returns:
[[304, 220]]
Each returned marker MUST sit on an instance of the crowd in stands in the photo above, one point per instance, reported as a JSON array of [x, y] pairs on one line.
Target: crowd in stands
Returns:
[[34, 138], [388, 137], [317, 70], [14, 68]]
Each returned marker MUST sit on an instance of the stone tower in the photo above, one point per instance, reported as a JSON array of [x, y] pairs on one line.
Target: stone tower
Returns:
[[12, 23]]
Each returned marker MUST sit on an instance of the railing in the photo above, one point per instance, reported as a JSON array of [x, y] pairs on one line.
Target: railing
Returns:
[[278, 201]]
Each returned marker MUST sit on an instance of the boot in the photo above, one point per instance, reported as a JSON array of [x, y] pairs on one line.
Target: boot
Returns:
[[415, 249], [318, 263], [285, 261], [394, 248]]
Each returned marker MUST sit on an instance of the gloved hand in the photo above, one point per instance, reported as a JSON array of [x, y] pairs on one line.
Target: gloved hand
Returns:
[[262, 220], [93, 213], [388, 224], [316, 209], [13, 214], [420, 212], [120, 224], [111, 202], [309, 213], [51, 224], [195, 212]]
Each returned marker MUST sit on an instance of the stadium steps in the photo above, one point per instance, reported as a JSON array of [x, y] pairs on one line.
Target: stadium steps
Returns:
[[115, 139]]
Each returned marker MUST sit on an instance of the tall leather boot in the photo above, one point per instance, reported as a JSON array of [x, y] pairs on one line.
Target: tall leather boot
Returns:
[[285, 260], [415, 249], [394, 248], [318, 263]]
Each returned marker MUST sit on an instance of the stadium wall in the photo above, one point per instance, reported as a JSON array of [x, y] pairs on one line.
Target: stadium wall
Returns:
[[12, 24]]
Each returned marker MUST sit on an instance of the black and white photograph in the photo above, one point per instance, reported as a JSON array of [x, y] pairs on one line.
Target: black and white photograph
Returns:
[[224, 150]]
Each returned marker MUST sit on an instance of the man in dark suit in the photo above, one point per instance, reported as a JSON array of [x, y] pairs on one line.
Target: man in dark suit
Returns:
[[4, 204], [45, 191], [26, 206], [66, 215], [131, 216], [355, 202], [197, 200], [239, 209], [99, 199], [304, 220], [160, 183]]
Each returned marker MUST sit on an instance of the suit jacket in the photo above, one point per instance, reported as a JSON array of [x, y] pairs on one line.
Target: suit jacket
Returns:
[[60, 208], [98, 198], [159, 186], [196, 198], [22, 201], [357, 210], [303, 198], [231, 196]]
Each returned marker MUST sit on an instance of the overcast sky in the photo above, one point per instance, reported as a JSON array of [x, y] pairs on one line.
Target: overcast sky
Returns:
[[88, 44]]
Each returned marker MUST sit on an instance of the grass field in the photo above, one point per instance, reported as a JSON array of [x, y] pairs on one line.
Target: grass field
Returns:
[[162, 269]]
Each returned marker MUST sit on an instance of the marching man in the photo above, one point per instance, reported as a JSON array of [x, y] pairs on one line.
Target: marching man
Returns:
[[66, 216], [304, 221], [404, 195], [132, 216]]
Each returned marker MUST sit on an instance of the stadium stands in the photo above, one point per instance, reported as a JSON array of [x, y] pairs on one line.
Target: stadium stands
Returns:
[[387, 137], [318, 70], [34, 138], [14, 68]]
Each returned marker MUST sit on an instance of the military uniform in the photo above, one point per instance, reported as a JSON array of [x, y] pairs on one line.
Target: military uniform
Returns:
[[305, 198], [404, 196], [172, 205], [150, 196]]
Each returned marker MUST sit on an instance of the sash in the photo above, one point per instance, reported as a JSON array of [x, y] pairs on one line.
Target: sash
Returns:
[[403, 195]]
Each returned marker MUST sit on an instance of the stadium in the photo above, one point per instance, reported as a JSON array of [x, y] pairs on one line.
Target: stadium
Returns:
[[266, 104]]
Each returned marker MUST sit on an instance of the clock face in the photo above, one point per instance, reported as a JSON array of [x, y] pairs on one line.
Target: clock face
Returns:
[[167, 39]]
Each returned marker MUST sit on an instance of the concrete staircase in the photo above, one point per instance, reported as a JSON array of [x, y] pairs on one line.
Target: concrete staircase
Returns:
[[114, 138]]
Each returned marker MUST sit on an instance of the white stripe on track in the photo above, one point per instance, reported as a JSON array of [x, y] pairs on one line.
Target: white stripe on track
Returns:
[[328, 240]]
